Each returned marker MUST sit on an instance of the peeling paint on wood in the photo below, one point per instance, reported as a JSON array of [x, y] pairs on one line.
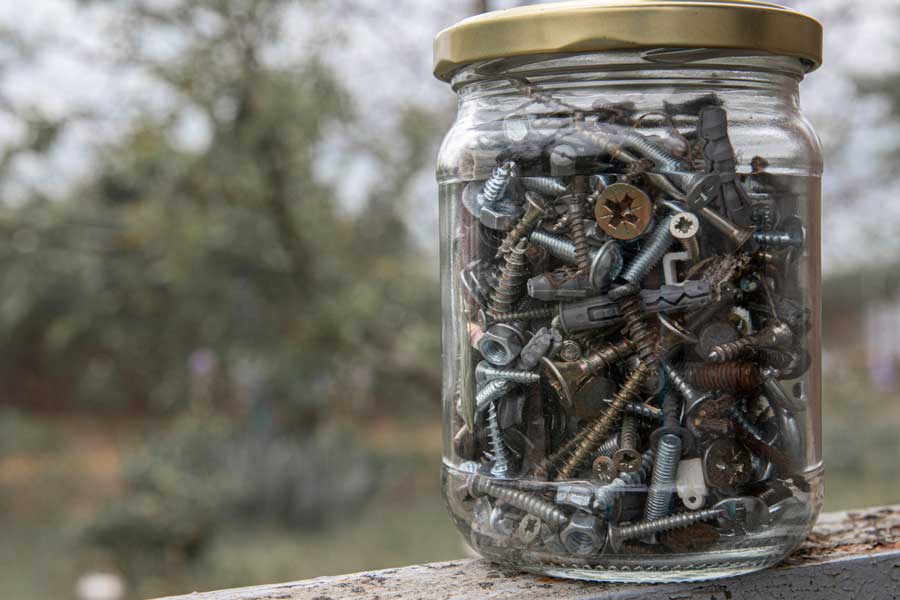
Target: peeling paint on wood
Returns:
[[853, 555]]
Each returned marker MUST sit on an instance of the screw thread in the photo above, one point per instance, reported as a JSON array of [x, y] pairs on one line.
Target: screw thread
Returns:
[[543, 312], [513, 375], [548, 186], [578, 233], [729, 377], [491, 391], [495, 186], [644, 412], [558, 246], [501, 455], [609, 447], [628, 433], [638, 530], [604, 499], [779, 239], [640, 334], [656, 247], [609, 355], [731, 351], [512, 281], [665, 469], [597, 432], [528, 503], [679, 383]]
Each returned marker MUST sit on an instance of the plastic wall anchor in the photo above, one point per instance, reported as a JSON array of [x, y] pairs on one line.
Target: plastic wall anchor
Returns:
[[690, 484]]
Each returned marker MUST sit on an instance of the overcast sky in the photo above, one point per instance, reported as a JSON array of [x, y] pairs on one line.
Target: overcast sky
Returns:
[[387, 60]]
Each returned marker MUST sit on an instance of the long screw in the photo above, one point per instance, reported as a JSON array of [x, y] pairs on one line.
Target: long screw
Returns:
[[641, 335], [595, 434], [528, 503], [511, 284], [575, 210], [530, 314], [501, 454], [777, 335], [618, 534]]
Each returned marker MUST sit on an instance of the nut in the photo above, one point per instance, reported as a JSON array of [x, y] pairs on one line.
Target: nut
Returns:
[[584, 535], [500, 345]]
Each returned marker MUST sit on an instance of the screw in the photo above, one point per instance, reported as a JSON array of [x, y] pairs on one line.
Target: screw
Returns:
[[656, 247], [684, 226], [595, 433], [727, 465], [728, 377], [491, 391], [513, 277], [605, 262], [623, 211], [627, 459], [548, 186], [527, 503], [692, 397], [698, 201], [486, 372], [605, 498], [530, 314], [618, 534], [568, 377], [792, 236], [501, 454], [535, 210], [776, 335], [665, 469], [575, 211], [496, 185], [641, 335]]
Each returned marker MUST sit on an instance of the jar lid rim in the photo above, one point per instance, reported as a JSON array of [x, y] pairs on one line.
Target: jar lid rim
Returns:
[[598, 25]]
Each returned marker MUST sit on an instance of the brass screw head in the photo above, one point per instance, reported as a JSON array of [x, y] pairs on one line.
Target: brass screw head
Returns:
[[623, 211]]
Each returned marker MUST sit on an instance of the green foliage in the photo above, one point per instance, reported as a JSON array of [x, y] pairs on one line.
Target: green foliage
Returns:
[[235, 253]]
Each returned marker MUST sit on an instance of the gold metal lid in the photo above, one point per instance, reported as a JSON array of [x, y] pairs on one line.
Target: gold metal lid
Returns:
[[599, 25]]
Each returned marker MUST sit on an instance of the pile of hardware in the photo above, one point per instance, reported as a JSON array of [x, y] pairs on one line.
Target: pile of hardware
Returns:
[[632, 312]]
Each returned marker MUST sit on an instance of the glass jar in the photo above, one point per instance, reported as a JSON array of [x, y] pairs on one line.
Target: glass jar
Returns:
[[631, 282]]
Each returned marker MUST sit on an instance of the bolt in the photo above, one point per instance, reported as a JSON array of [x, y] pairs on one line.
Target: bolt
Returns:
[[486, 372], [776, 335], [501, 454], [527, 503]]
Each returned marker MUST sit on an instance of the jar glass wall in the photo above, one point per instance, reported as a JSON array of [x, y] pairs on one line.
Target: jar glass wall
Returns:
[[630, 271]]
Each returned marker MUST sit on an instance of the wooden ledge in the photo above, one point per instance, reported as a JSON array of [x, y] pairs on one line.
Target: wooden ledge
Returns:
[[850, 555]]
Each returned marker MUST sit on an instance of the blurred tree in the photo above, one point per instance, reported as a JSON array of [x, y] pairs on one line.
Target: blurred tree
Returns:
[[231, 265]]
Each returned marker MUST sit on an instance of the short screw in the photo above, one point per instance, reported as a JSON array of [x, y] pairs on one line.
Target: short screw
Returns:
[[486, 372], [699, 197], [547, 186], [491, 391], [691, 396], [535, 210], [496, 185], [627, 459], [656, 247]]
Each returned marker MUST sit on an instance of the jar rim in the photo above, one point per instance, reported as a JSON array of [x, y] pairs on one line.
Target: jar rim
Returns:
[[597, 25]]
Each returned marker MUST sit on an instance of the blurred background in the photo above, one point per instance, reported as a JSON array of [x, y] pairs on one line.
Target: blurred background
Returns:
[[219, 312]]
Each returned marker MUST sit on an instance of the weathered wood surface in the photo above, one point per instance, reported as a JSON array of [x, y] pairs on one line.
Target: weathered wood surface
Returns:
[[853, 555]]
